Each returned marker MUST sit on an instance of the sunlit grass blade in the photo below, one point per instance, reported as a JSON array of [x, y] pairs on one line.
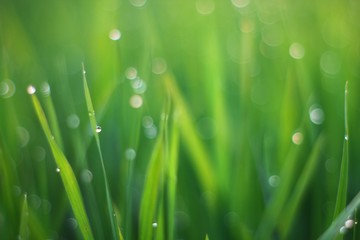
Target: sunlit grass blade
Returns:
[[200, 157], [206, 237], [150, 196], [24, 222], [95, 130], [334, 230], [171, 179], [301, 186], [67, 175], [344, 170]]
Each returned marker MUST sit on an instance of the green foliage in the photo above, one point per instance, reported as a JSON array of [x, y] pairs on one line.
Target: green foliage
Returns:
[[67, 175], [214, 119]]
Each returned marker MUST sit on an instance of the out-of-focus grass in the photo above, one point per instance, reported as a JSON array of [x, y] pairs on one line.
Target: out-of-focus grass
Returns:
[[254, 102]]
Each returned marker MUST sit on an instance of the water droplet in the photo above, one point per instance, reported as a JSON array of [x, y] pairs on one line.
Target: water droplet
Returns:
[[45, 206], [39, 153], [349, 223], [34, 201], [31, 89], [159, 66], [131, 73], [73, 121], [147, 121], [297, 51], [272, 35], [98, 129], [297, 138], [316, 115], [58, 170], [346, 137], [23, 136], [45, 89], [115, 34], [151, 132], [232, 219], [274, 180], [136, 101], [92, 113], [138, 3], [154, 225], [343, 230], [130, 154], [86, 176], [138, 85], [7, 88], [330, 63], [205, 7], [72, 223], [330, 166], [240, 3]]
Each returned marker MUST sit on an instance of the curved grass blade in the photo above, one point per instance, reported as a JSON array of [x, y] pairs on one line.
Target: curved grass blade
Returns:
[[300, 187], [343, 179], [151, 189], [171, 180], [200, 158], [24, 228], [66, 173], [116, 233], [334, 229]]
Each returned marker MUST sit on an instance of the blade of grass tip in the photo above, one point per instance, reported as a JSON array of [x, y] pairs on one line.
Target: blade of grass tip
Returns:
[[344, 169], [96, 129], [151, 189], [64, 169], [337, 225], [24, 228], [200, 157], [206, 237], [51, 113], [300, 188]]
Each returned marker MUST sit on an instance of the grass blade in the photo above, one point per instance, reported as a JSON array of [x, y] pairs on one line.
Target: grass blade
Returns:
[[24, 228], [151, 190], [171, 180], [66, 173], [116, 233], [334, 229], [300, 187], [343, 179], [51, 113], [200, 157]]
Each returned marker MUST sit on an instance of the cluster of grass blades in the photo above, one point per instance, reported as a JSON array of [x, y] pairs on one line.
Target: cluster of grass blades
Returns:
[[214, 119]]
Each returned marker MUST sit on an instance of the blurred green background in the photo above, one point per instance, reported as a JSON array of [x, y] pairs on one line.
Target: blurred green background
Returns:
[[248, 88]]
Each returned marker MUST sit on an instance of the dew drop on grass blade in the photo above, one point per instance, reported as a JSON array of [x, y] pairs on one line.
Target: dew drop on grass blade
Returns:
[[67, 175], [116, 233], [150, 196], [344, 169]]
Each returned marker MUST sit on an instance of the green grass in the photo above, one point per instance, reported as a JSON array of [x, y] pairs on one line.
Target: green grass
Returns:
[[202, 119]]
